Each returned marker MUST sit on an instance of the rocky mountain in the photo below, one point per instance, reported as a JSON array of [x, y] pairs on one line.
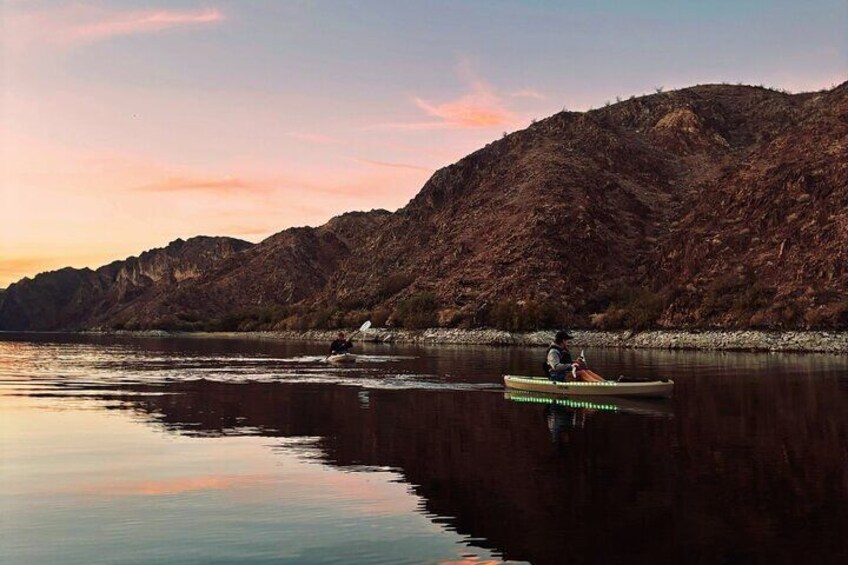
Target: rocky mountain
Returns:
[[712, 206], [81, 298]]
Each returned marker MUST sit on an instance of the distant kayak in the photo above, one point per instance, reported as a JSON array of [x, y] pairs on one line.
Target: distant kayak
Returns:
[[580, 388], [342, 358]]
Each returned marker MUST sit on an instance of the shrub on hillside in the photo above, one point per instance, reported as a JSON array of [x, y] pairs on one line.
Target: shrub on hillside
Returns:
[[524, 315], [418, 311], [393, 284], [246, 319], [631, 308]]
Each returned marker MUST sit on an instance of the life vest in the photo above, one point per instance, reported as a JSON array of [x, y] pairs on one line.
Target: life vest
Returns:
[[548, 370]]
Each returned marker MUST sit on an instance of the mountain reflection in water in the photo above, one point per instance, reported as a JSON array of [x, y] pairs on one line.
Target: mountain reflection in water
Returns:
[[748, 462]]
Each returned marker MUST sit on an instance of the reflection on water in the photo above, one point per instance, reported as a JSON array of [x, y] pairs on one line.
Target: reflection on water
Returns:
[[226, 450]]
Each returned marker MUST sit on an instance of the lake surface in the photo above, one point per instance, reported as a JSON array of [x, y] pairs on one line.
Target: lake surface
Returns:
[[198, 450]]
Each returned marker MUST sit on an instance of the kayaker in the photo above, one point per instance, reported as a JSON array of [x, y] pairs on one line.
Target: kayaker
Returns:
[[559, 364], [341, 345]]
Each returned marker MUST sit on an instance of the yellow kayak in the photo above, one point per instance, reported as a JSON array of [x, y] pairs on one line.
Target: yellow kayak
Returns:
[[579, 388], [342, 358]]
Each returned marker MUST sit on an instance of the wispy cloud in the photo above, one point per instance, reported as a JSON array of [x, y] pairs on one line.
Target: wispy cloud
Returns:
[[479, 107], [129, 23], [226, 185], [528, 93], [393, 165], [82, 23]]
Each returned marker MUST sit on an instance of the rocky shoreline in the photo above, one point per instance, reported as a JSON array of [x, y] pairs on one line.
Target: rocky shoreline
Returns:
[[710, 340]]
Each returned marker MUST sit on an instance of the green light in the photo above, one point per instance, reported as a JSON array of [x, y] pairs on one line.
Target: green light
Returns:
[[567, 402]]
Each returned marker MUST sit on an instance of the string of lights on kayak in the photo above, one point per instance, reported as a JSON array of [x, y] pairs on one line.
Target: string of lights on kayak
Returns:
[[567, 402]]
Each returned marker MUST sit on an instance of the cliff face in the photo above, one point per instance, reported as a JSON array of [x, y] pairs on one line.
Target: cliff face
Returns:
[[765, 241], [79, 298], [288, 268], [712, 206]]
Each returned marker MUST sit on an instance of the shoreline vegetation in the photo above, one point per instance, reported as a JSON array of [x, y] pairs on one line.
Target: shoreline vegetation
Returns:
[[707, 340]]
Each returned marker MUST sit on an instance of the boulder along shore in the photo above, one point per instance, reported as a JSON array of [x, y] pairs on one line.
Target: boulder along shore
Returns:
[[742, 340]]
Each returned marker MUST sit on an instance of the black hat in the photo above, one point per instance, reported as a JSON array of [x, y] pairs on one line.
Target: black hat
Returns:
[[561, 335]]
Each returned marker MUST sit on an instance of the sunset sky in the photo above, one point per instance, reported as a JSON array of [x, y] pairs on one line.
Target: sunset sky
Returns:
[[127, 124]]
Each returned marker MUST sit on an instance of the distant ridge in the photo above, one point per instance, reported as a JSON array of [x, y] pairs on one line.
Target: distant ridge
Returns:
[[80, 298], [714, 206]]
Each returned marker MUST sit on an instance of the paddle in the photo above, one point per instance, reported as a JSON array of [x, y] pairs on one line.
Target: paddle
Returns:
[[362, 328], [582, 357]]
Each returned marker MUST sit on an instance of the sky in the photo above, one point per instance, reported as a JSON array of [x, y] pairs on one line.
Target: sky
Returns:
[[127, 124]]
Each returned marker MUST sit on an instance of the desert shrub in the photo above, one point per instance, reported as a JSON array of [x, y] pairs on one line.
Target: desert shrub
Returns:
[[840, 315], [450, 317], [721, 293], [229, 323], [393, 284], [245, 319], [759, 320], [355, 318], [380, 316], [630, 308], [351, 303], [752, 297], [737, 295], [417, 311], [322, 319], [298, 321], [188, 317], [525, 315]]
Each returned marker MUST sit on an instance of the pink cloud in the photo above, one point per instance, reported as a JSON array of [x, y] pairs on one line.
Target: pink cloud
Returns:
[[226, 185], [393, 165], [480, 107], [84, 23], [145, 22]]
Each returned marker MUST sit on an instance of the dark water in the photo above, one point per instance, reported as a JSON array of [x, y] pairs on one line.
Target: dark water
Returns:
[[126, 450]]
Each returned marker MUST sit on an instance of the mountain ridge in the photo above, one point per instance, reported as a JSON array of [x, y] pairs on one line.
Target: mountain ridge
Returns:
[[711, 206]]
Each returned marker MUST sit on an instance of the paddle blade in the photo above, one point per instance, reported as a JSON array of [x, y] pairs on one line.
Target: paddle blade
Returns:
[[365, 326]]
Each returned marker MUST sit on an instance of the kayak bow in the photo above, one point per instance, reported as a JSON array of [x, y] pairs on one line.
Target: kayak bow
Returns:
[[342, 358]]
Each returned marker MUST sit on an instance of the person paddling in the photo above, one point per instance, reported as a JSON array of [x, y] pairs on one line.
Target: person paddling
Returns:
[[341, 345], [559, 364]]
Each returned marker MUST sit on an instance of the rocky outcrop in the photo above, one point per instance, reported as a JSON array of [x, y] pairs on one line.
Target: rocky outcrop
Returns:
[[77, 298], [288, 268]]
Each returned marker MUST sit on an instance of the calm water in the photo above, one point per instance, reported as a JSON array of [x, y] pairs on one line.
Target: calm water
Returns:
[[126, 450]]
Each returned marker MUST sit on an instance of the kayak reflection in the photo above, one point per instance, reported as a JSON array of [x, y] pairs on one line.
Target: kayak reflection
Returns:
[[658, 408]]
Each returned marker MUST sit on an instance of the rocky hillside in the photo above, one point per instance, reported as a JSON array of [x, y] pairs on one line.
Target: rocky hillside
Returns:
[[713, 206], [81, 298]]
